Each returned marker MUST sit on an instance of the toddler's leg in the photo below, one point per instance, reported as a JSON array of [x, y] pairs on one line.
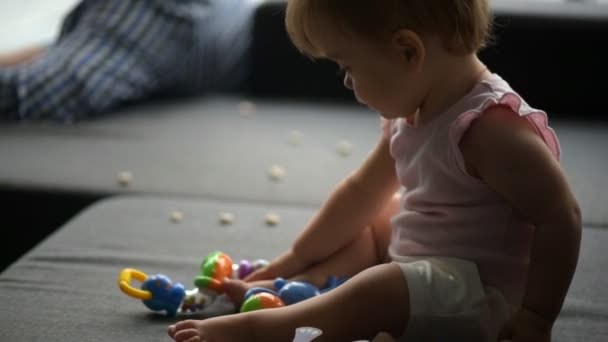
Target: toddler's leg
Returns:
[[372, 301], [368, 249]]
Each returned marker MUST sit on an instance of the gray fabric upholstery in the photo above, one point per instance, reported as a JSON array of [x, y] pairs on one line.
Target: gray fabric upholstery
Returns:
[[195, 148], [206, 148], [585, 160], [585, 312], [66, 289]]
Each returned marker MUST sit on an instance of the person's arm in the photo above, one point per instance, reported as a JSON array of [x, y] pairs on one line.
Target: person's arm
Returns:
[[507, 154], [10, 63], [351, 207], [109, 54], [21, 56]]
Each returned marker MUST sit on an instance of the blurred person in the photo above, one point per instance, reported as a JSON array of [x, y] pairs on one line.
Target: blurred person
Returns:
[[110, 53]]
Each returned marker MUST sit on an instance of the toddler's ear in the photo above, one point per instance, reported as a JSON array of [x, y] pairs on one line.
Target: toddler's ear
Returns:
[[409, 53], [409, 44]]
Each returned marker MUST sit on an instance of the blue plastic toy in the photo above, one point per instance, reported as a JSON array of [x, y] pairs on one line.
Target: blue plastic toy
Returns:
[[286, 293], [159, 293]]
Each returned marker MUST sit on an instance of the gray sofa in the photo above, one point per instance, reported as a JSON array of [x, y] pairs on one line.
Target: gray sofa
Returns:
[[77, 226]]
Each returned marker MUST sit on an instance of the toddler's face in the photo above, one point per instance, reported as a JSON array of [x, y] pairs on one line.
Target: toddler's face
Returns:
[[378, 73]]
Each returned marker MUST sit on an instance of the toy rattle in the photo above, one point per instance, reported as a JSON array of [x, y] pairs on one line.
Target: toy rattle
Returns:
[[159, 293]]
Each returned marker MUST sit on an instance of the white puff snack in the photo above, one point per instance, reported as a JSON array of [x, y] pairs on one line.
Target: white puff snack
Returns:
[[125, 178], [276, 172], [176, 216], [344, 148], [272, 219], [226, 218]]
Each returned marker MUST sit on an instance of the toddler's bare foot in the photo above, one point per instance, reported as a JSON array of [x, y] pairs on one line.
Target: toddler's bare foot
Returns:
[[235, 289], [225, 328]]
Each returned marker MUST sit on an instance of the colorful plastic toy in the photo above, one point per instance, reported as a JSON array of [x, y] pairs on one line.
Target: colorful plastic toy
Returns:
[[262, 300], [214, 268], [159, 293], [286, 293]]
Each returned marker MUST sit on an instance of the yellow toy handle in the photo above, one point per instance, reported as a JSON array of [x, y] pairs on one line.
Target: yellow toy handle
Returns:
[[124, 282]]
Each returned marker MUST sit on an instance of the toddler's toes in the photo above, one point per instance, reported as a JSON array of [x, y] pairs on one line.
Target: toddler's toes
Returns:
[[171, 330], [183, 325], [188, 335]]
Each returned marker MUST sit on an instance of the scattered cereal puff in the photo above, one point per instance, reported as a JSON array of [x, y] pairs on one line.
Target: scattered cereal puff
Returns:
[[176, 217], [344, 148], [226, 218], [125, 178], [276, 172], [272, 219]]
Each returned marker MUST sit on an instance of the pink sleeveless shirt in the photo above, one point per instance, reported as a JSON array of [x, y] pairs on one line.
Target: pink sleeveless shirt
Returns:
[[445, 211]]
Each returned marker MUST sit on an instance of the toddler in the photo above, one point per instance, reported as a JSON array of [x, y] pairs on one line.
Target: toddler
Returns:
[[483, 241]]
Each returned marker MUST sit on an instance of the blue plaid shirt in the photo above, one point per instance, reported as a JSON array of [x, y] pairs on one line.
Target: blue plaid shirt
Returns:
[[113, 52]]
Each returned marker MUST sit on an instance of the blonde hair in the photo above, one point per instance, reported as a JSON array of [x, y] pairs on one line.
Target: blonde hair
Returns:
[[463, 25]]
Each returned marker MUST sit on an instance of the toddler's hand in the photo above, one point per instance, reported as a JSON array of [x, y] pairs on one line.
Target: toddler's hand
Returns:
[[285, 266], [526, 326]]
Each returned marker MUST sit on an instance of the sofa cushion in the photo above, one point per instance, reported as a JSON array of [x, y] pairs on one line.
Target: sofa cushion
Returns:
[[65, 289], [207, 148]]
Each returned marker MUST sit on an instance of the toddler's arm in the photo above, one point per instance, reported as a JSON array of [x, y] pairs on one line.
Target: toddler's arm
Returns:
[[507, 154], [351, 207]]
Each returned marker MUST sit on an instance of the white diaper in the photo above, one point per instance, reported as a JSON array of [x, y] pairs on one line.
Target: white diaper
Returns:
[[448, 302]]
